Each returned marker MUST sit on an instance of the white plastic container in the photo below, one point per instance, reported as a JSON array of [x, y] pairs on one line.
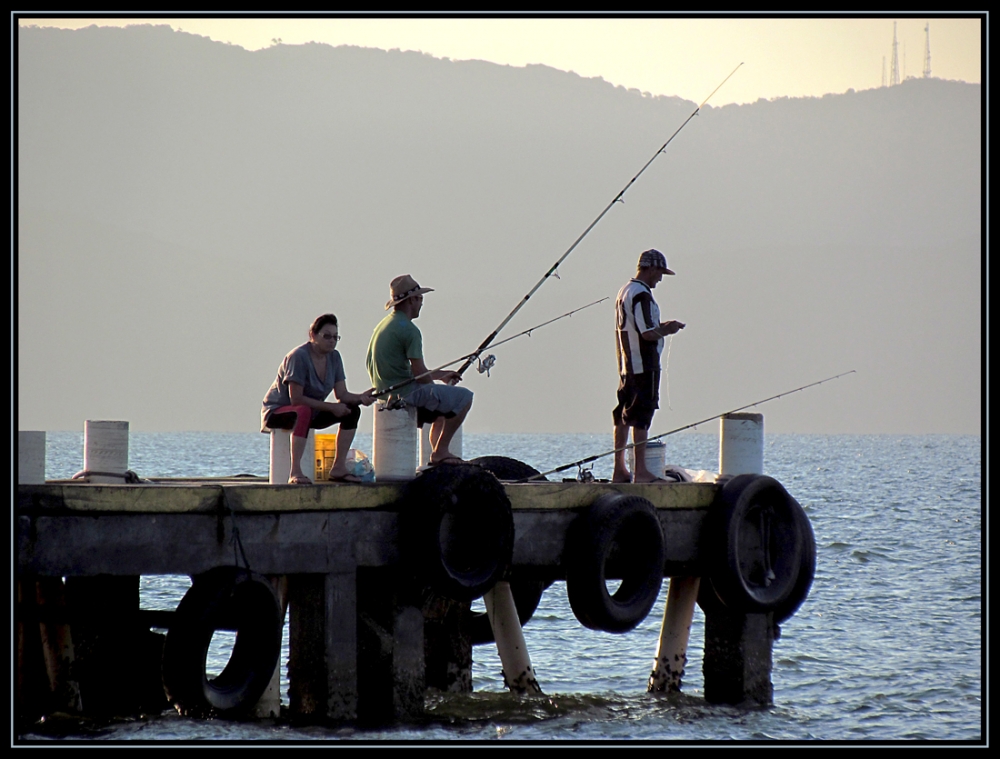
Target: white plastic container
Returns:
[[105, 450], [30, 458], [656, 457], [394, 444]]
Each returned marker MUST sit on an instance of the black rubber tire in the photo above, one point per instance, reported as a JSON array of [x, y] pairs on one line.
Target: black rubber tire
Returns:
[[753, 528], [504, 468], [222, 598], [456, 530], [807, 568], [618, 536], [527, 594]]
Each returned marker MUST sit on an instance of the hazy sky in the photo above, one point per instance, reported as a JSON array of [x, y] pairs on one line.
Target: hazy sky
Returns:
[[791, 57], [144, 195]]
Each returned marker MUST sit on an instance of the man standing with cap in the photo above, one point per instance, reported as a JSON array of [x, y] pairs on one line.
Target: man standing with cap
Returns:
[[396, 358], [639, 344]]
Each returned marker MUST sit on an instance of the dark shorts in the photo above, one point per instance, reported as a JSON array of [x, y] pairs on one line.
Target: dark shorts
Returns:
[[638, 399], [320, 420]]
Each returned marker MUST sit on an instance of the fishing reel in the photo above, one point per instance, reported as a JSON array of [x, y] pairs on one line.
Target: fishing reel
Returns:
[[486, 363], [394, 405]]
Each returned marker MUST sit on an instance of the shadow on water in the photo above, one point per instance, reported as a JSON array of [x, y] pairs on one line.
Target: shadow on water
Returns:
[[448, 717]]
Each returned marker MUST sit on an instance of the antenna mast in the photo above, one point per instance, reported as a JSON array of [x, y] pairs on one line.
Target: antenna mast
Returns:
[[894, 71], [927, 52]]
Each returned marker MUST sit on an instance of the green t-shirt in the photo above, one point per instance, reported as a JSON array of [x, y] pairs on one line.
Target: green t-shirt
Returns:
[[395, 341]]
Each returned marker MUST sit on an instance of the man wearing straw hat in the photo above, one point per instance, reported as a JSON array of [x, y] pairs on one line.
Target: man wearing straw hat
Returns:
[[639, 344], [396, 360]]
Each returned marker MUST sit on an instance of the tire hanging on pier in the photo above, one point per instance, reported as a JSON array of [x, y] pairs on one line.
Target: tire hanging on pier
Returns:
[[506, 468], [456, 530], [754, 544], [223, 598], [618, 536], [807, 567], [527, 592]]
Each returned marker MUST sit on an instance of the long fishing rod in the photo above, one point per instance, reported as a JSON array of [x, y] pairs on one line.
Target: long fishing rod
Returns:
[[487, 363], [587, 460], [486, 343]]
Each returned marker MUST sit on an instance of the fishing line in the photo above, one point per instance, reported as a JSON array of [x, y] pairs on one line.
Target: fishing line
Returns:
[[670, 341], [587, 460], [618, 198], [486, 363]]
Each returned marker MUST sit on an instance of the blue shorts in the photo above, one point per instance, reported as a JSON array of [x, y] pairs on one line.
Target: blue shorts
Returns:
[[434, 399]]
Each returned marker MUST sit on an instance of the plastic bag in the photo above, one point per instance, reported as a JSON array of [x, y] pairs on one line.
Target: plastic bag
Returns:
[[360, 465]]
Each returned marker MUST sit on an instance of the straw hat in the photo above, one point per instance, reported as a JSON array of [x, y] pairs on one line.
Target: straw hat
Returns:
[[404, 287]]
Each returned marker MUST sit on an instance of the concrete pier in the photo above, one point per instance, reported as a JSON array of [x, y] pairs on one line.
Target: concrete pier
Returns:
[[364, 642]]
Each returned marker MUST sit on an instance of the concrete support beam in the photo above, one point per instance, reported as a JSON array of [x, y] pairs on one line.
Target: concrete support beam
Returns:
[[322, 665], [737, 663]]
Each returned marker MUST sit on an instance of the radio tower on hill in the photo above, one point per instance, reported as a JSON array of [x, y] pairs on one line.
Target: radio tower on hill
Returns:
[[894, 71], [927, 52]]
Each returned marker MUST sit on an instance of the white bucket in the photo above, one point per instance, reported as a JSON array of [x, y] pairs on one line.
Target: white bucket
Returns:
[[656, 457], [30, 458], [394, 444], [105, 449]]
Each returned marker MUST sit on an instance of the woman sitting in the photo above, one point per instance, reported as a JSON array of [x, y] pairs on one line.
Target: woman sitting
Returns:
[[297, 401]]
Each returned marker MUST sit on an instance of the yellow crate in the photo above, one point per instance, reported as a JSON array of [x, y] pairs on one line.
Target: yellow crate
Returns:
[[326, 452]]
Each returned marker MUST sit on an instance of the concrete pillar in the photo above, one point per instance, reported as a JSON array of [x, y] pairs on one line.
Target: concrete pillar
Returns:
[[323, 650], [518, 674], [394, 443], [30, 458], [281, 456], [57, 644], [425, 444], [738, 647], [738, 655], [741, 444], [671, 654], [105, 451], [447, 645], [390, 648]]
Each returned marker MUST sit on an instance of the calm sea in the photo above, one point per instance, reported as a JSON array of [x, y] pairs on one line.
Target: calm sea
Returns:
[[888, 646]]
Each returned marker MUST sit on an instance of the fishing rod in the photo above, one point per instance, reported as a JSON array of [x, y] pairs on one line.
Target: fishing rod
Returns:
[[487, 363], [618, 198], [581, 462]]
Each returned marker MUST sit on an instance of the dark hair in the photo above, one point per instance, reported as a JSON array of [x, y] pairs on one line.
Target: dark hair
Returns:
[[322, 321]]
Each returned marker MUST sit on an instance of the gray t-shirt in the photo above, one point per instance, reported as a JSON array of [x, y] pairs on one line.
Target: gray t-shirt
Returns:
[[298, 367]]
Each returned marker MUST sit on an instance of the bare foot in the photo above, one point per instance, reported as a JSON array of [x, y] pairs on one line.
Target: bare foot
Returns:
[[299, 479], [621, 477]]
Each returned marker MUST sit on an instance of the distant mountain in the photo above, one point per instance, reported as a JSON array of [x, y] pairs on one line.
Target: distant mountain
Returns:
[[165, 176]]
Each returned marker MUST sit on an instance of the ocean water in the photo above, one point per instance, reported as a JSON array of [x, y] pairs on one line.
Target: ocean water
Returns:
[[888, 646]]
